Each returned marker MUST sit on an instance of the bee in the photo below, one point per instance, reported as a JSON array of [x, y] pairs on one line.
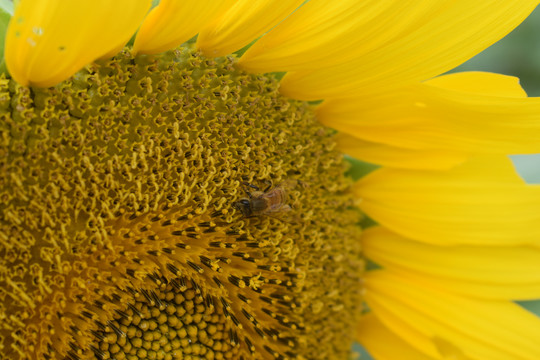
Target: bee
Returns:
[[266, 202]]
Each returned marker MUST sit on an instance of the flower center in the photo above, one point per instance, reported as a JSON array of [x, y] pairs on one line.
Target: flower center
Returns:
[[172, 205], [175, 321]]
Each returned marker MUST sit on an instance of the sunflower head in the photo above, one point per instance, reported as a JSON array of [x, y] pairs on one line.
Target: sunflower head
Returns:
[[123, 240], [166, 200]]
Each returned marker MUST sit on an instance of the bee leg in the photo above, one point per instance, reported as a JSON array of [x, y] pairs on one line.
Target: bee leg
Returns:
[[269, 185], [251, 186]]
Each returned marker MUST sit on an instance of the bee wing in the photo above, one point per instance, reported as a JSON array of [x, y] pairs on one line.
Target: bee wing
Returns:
[[285, 208], [289, 184], [278, 208]]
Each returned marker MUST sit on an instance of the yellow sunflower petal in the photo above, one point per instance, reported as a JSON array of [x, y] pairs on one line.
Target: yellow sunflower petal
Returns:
[[173, 22], [344, 29], [478, 82], [511, 272], [453, 32], [456, 326], [463, 113], [383, 344], [243, 23], [390, 156], [49, 40], [480, 202]]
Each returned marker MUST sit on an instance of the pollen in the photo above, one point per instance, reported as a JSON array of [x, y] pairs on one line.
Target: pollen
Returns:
[[118, 234]]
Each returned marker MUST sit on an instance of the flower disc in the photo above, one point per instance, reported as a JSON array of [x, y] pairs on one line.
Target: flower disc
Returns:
[[120, 238]]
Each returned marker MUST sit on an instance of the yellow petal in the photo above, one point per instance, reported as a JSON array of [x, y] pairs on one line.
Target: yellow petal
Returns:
[[173, 22], [502, 272], [390, 156], [480, 202], [243, 23], [49, 40], [437, 40], [479, 113], [383, 344], [456, 326], [344, 29], [482, 83]]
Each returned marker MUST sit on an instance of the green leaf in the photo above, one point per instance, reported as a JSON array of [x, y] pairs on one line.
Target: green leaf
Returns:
[[532, 305], [6, 11], [364, 355], [7, 6], [359, 168]]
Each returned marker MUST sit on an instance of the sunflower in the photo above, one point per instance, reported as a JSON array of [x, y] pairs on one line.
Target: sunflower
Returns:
[[186, 196]]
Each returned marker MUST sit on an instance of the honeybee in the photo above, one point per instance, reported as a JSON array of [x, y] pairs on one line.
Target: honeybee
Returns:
[[266, 202]]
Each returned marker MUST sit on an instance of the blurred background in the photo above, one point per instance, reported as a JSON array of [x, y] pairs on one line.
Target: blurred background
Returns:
[[518, 54]]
